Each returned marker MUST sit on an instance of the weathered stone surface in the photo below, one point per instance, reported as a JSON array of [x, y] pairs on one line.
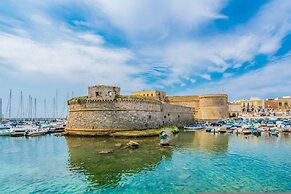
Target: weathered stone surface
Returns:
[[132, 144], [103, 118], [105, 151], [209, 107]]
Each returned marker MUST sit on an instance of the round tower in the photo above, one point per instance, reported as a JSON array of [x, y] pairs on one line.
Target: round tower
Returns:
[[213, 107]]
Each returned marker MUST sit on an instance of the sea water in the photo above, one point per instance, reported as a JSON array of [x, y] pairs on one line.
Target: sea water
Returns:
[[196, 162]]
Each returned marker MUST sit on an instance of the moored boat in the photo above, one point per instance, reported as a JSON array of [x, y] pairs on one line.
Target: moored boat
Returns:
[[194, 127], [5, 132], [36, 132], [274, 132], [18, 132]]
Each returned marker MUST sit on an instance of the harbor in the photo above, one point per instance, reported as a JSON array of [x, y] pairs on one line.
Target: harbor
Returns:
[[145, 97], [196, 161]]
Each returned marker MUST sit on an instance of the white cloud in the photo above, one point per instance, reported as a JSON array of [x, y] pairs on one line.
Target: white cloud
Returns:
[[157, 31], [271, 81], [70, 60], [188, 57], [156, 18]]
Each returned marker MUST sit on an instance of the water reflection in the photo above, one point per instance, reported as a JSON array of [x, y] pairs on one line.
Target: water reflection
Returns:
[[206, 142], [106, 170]]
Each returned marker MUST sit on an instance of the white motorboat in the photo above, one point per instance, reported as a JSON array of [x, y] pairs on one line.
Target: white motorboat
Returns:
[[36, 132], [18, 132], [6, 132]]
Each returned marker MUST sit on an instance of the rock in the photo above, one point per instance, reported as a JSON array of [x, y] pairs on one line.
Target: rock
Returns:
[[132, 144], [164, 143], [118, 145], [105, 151]]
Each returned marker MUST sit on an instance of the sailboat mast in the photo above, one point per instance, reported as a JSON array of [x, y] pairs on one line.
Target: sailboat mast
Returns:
[[1, 114], [44, 104], [21, 105], [34, 108], [56, 103], [54, 107], [10, 103]]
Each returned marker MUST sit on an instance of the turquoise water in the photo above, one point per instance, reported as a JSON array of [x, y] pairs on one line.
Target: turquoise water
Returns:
[[197, 162]]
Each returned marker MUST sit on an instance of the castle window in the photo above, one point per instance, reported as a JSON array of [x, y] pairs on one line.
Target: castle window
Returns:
[[150, 116], [97, 94], [152, 94], [165, 116]]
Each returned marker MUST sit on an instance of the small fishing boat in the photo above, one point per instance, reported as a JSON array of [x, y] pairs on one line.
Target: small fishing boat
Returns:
[[274, 133], [221, 129], [286, 129], [209, 130], [246, 132], [194, 127], [256, 132]]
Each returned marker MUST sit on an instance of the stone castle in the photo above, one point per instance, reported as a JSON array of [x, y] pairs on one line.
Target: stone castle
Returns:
[[105, 111]]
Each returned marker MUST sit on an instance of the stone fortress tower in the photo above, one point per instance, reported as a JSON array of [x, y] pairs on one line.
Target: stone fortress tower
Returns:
[[208, 107], [213, 107], [105, 111]]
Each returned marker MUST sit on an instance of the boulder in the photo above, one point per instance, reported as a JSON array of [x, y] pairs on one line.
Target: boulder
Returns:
[[132, 144], [105, 151], [118, 145]]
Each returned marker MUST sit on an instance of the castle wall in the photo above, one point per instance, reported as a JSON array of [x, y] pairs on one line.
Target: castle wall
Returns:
[[176, 115], [187, 101], [205, 107], [101, 117]]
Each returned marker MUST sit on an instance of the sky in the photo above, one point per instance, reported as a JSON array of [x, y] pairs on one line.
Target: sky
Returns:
[[182, 47]]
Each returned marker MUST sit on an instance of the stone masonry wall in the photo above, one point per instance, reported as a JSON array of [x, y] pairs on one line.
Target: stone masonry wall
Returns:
[[125, 115], [213, 107]]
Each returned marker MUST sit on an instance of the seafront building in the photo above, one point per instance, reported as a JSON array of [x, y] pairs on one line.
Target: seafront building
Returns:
[[284, 104], [267, 106], [234, 109], [271, 104], [105, 111]]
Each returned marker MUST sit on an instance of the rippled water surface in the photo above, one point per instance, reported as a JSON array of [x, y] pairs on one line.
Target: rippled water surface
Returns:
[[197, 162]]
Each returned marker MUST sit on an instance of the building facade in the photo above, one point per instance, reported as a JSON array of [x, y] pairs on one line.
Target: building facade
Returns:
[[160, 95], [271, 104], [284, 104], [251, 105], [234, 109]]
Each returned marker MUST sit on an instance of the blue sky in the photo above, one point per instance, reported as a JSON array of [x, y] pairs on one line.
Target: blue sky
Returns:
[[183, 47]]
